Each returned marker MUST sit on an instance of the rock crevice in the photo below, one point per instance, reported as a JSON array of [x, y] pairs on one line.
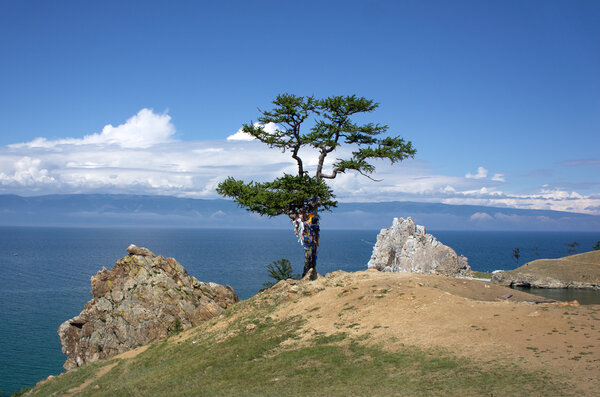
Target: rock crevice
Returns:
[[140, 300]]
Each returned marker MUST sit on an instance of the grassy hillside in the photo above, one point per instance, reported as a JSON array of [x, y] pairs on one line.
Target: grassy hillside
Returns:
[[581, 267], [365, 333]]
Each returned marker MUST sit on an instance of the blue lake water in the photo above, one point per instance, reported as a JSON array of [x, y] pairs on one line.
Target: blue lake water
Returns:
[[45, 272]]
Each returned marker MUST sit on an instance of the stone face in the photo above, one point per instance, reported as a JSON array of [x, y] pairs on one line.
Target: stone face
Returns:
[[138, 301], [406, 247]]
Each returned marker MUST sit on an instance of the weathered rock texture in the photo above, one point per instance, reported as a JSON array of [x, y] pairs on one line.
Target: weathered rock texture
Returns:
[[140, 300], [405, 247], [575, 271]]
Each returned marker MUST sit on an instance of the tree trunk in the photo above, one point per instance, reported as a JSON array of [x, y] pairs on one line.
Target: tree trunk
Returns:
[[310, 243]]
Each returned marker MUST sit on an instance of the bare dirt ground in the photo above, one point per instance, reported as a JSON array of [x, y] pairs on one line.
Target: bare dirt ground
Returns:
[[462, 316]]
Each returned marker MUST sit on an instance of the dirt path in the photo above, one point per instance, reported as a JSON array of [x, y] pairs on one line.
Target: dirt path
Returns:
[[106, 369], [100, 373], [132, 353]]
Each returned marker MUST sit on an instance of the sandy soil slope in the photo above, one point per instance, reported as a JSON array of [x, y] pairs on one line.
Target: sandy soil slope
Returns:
[[463, 316]]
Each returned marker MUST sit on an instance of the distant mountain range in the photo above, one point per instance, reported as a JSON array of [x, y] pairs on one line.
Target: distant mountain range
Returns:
[[108, 210]]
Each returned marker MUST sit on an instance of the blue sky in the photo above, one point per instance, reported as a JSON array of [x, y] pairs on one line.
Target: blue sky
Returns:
[[500, 98]]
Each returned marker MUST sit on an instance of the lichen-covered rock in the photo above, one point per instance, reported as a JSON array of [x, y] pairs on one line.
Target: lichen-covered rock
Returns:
[[405, 247], [140, 300]]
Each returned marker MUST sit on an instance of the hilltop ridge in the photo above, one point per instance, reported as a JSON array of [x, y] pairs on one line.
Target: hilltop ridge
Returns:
[[364, 333], [574, 271]]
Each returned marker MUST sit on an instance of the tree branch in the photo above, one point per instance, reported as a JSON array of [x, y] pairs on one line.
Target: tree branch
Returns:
[[373, 179], [298, 159], [322, 156], [332, 175]]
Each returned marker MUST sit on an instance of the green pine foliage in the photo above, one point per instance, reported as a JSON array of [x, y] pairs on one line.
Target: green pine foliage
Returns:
[[176, 327], [321, 124], [284, 196], [280, 270]]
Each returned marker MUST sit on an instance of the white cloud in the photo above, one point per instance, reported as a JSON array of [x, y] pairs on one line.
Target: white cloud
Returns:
[[481, 216], [140, 156], [557, 200], [143, 130], [481, 174], [498, 178], [448, 189], [242, 136], [26, 171]]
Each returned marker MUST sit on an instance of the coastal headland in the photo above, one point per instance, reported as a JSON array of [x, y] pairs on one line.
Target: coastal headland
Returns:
[[364, 333], [574, 271]]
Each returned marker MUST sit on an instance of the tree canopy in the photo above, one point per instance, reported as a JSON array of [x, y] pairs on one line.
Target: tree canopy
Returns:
[[330, 125]]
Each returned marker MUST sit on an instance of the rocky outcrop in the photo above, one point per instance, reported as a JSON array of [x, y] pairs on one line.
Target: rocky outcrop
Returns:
[[141, 299], [405, 247], [575, 271]]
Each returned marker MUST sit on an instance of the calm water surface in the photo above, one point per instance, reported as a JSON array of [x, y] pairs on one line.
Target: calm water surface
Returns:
[[583, 296], [45, 272]]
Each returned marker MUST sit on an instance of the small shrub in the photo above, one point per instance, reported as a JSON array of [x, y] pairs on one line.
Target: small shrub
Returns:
[[176, 327], [572, 247], [280, 270], [516, 254]]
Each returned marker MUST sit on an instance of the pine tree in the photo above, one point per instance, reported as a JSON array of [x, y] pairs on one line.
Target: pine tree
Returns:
[[516, 254], [330, 126]]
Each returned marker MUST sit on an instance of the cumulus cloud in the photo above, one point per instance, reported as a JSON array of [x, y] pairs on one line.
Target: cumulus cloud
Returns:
[[188, 169], [481, 173], [142, 130], [141, 156], [26, 171], [242, 136]]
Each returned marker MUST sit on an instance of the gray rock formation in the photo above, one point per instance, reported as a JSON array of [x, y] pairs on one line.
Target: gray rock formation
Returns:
[[575, 271], [405, 247], [140, 300], [511, 279]]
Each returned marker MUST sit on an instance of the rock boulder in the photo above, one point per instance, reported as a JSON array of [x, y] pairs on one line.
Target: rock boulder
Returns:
[[406, 247], [140, 300]]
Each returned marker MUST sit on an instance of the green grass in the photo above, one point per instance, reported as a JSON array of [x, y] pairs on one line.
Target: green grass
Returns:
[[475, 274], [67, 381], [257, 364]]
